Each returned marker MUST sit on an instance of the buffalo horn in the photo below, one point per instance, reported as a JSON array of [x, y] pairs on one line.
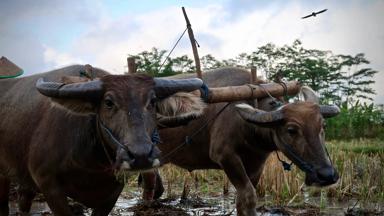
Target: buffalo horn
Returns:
[[91, 89], [166, 87], [257, 116], [329, 110]]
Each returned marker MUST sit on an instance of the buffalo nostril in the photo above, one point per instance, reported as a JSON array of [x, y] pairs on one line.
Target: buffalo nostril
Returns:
[[125, 165], [132, 162], [156, 163], [328, 175], [130, 155]]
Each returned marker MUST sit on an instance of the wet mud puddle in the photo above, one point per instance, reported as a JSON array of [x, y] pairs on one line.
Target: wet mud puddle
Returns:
[[128, 205]]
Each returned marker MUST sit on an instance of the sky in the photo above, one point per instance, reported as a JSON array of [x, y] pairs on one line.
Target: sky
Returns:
[[42, 35]]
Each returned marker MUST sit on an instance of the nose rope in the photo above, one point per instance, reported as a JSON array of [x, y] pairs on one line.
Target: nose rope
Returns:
[[286, 166], [113, 138], [306, 167], [303, 165], [329, 157]]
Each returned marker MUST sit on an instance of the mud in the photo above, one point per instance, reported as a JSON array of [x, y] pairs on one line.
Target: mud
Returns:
[[129, 205]]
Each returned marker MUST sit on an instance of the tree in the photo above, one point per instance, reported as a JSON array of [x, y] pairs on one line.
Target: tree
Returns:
[[338, 78], [154, 63]]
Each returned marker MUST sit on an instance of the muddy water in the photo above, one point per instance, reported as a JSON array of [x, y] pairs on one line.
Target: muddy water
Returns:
[[128, 204]]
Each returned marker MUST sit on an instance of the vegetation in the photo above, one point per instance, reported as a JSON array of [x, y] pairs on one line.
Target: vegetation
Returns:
[[358, 121]]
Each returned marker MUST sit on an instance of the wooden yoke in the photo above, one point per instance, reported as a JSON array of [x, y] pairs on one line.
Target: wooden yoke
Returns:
[[247, 92]]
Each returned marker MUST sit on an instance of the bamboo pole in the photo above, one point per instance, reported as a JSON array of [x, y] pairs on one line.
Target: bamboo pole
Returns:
[[193, 43], [248, 92]]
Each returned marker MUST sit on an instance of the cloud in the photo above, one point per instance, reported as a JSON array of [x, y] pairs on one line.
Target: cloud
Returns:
[[26, 26], [54, 33], [55, 59]]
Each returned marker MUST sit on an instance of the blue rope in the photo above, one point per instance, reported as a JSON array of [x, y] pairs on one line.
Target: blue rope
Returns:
[[155, 138], [204, 92]]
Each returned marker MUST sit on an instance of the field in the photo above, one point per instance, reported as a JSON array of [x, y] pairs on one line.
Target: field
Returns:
[[360, 190], [360, 163]]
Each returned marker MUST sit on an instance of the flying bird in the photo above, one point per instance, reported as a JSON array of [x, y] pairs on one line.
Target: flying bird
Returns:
[[314, 14]]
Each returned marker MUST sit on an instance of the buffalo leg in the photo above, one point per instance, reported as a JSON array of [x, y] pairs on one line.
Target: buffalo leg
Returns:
[[106, 208], [152, 185], [56, 199], [246, 194], [255, 166], [159, 189], [25, 199], [4, 196]]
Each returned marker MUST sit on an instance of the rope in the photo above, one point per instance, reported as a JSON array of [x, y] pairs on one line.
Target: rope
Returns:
[[12, 76], [275, 102], [204, 92], [286, 165], [284, 85], [189, 138], [161, 66]]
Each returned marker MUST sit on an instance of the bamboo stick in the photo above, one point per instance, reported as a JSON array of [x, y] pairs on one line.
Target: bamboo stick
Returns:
[[193, 43], [248, 92]]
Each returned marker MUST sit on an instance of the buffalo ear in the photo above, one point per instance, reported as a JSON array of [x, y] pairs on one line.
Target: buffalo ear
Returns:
[[309, 94], [179, 109]]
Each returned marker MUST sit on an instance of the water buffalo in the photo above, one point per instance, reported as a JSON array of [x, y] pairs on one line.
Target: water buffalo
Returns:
[[239, 138], [69, 140]]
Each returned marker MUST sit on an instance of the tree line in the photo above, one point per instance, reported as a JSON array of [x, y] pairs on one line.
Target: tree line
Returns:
[[338, 78]]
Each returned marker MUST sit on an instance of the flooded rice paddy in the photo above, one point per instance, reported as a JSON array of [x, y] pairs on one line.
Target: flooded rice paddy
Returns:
[[129, 204]]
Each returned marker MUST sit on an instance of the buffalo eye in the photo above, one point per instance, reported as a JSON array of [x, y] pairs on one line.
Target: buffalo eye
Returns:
[[152, 102], [109, 103], [292, 131]]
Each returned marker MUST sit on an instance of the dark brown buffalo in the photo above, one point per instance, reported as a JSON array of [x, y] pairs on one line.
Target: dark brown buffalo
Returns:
[[69, 140], [240, 139]]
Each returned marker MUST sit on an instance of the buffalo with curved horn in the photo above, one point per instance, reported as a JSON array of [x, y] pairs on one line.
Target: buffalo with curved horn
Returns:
[[69, 140], [238, 138]]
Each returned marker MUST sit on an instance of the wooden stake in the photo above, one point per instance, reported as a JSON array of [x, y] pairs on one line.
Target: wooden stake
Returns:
[[253, 81], [193, 43], [131, 65], [253, 75]]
